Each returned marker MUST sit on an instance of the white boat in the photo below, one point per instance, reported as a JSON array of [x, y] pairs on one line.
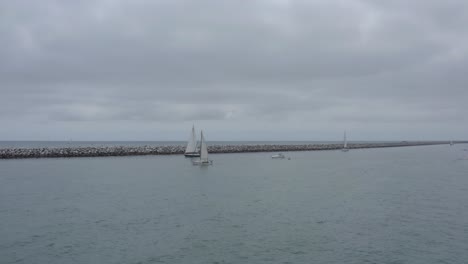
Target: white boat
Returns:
[[278, 156], [191, 150], [203, 153], [345, 143], [451, 142]]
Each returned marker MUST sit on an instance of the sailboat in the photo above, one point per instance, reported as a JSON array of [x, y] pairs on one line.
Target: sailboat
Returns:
[[203, 153], [191, 150], [451, 142], [345, 144]]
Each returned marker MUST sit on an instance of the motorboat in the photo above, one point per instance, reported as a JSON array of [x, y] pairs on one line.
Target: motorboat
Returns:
[[278, 156]]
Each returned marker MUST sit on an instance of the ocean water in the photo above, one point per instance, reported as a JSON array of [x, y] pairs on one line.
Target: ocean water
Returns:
[[392, 205]]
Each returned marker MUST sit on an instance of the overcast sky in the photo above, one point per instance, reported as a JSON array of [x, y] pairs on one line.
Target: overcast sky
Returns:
[[241, 70]]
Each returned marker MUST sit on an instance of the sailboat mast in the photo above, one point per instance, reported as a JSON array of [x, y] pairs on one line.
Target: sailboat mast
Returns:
[[345, 144]]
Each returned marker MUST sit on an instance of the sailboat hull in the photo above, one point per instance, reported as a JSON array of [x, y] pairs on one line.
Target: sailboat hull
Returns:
[[192, 154]]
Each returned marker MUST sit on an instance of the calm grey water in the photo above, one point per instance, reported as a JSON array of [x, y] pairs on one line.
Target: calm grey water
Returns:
[[394, 205]]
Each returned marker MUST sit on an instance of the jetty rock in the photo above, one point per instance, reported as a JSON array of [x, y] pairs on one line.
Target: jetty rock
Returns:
[[104, 151]]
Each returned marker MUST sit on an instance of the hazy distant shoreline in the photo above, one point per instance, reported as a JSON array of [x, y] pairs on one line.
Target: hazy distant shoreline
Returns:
[[106, 151]]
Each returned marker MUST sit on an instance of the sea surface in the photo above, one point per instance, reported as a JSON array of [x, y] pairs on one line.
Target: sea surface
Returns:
[[389, 205]]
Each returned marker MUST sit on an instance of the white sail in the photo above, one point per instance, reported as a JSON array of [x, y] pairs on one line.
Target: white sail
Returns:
[[192, 142], [203, 149], [345, 144]]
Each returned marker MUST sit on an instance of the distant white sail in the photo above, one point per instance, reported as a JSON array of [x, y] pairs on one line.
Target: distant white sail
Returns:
[[192, 142], [345, 144], [203, 149]]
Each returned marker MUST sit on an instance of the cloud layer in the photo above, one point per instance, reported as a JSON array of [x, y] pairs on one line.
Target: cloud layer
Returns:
[[243, 70]]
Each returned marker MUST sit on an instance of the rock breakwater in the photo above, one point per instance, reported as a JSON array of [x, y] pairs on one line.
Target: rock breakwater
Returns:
[[104, 151]]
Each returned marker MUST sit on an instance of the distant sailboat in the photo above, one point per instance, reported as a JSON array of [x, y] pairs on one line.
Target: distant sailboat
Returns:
[[345, 144], [191, 150], [203, 153], [451, 142]]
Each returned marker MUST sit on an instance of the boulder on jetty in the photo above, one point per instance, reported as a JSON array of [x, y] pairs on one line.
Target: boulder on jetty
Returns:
[[103, 151]]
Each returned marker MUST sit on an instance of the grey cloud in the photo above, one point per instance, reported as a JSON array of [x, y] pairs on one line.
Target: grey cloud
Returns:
[[228, 64]]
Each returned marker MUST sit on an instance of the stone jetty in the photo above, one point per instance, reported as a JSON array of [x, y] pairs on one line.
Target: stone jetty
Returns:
[[105, 151]]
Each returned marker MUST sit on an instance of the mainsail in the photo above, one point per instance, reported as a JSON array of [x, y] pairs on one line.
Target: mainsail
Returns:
[[203, 149], [192, 142]]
